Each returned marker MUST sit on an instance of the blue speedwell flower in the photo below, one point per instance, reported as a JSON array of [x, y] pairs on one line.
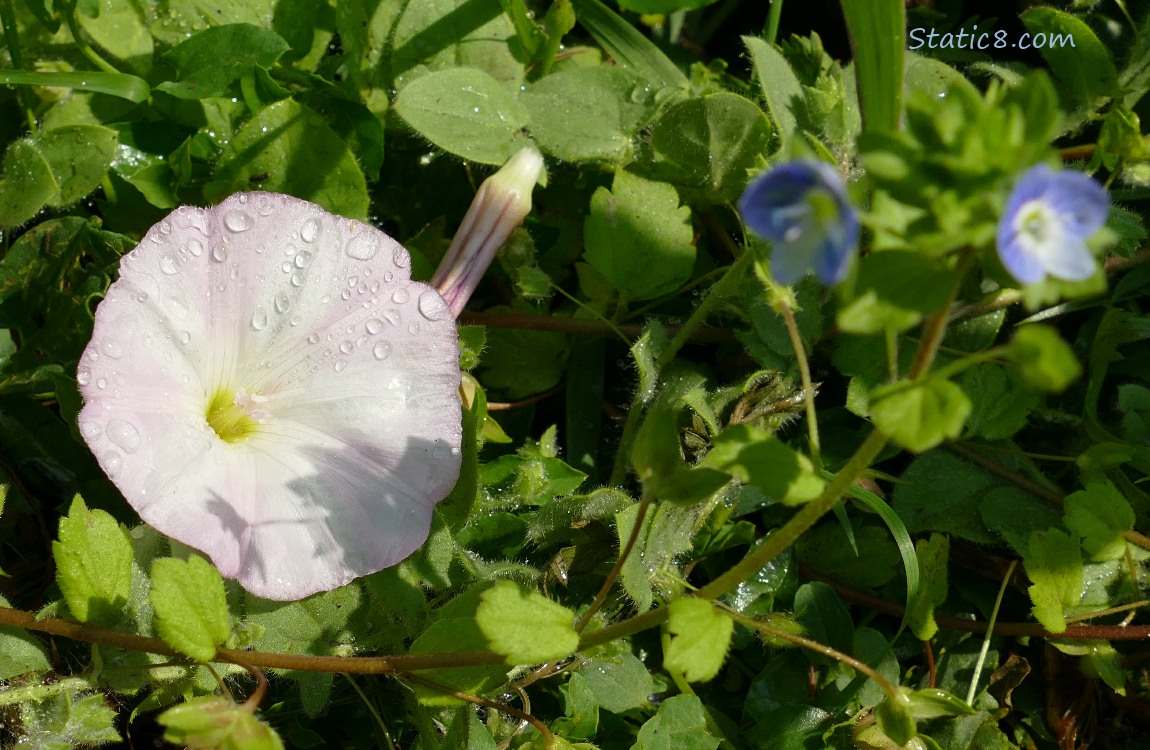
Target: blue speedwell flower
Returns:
[[802, 208], [1048, 218]]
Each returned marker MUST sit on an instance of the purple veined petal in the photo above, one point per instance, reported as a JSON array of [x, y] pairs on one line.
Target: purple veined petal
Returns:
[[309, 323]]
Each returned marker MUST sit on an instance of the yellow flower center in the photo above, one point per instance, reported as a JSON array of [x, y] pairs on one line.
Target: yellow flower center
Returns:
[[228, 418]]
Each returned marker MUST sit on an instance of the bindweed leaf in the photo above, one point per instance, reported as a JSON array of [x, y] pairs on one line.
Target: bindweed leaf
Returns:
[[680, 724], [210, 61], [700, 636], [639, 237], [27, 183], [1100, 515], [79, 156], [213, 723], [1044, 360], [1054, 564], [758, 458], [190, 604], [93, 564], [919, 415], [525, 626]]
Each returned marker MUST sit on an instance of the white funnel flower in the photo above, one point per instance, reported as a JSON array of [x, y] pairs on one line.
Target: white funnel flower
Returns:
[[266, 384]]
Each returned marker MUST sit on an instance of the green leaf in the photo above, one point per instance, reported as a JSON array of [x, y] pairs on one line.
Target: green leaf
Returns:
[[781, 88], [627, 46], [619, 683], [213, 723], [639, 237], [757, 457], [525, 626], [921, 414], [1083, 66], [941, 492], [93, 564], [455, 634], [122, 85], [896, 720], [877, 32], [587, 114], [209, 62], [191, 606], [931, 703], [663, 6], [1000, 401], [680, 724], [709, 143], [20, 652], [27, 184], [1044, 360], [1054, 565], [824, 618], [266, 152], [121, 28], [827, 549], [1100, 515], [467, 112], [700, 636], [933, 554], [66, 721], [894, 291], [655, 456], [79, 156]]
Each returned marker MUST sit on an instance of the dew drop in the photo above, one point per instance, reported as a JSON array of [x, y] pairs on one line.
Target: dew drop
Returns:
[[195, 247], [374, 326], [351, 281], [243, 199], [340, 365], [297, 278], [219, 253], [101, 383], [345, 347], [259, 319], [400, 257], [185, 337], [286, 267], [431, 306], [84, 375], [169, 264], [179, 306], [388, 276], [124, 434], [374, 287], [112, 463], [400, 296], [313, 339], [112, 349], [362, 246], [238, 221], [345, 294], [310, 230], [265, 207], [166, 227], [381, 350], [413, 329], [90, 430], [392, 316], [290, 249], [282, 303], [295, 320], [303, 260]]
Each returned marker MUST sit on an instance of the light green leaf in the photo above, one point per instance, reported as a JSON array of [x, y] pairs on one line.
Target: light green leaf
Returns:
[[65, 721], [895, 289], [587, 114], [627, 45], [266, 152], [639, 237], [214, 723], [663, 6], [122, 85], [877, 32], [710, 143], [1054, 565], [896, 720], [1081, 62], [466, 112], [191, 606], [525, 626], [781, 87], [1100, 515], [20, 652], [618, 683], [1044, 360], [93, 564], [700, 636], [121, 27], [919, 415], [932, 703], [757, 457], [933, 554], [27, 184], [79, 156], [209, 62], [680, 724], [456, 633]]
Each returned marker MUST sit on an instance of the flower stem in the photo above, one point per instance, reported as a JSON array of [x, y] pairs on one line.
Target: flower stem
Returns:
[[624, 553], [805, 374], [81, 43], [982, 652]]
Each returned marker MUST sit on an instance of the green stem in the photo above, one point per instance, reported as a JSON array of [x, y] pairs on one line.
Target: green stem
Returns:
[[81, 43], [624, 553], [989, 631], [248, 91], [594, 313], [805, 375], [723, 288], [771, 32], [12, 39]]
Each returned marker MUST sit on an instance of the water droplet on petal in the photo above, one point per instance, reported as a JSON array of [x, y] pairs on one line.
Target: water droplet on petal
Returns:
[[413, 329], [286, 267], [259, 319], [238, 221], [185, 337], [179, 306], [112, 463], [310, 230], [363, 246], [124, 434], [112, 349], [374, 326], [399, 296], [303, 259], [282, 303], [297, 278], [432, 306], [84, 375], [392, 316], [195, 247], [313, 339], [388, 276], [381, 350], [219, 253], [346, 294], [166, 227], [169, 264], [265, 207], [345, 347], [400, 257], [340, 365], [101, 383], [90, 429]]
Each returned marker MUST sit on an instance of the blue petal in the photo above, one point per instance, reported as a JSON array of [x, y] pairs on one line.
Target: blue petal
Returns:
[[1082, 202], [833, 258], [1022, 265], [1071, 261]]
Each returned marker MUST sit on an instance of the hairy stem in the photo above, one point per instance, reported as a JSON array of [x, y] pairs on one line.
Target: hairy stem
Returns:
[[624, 553]]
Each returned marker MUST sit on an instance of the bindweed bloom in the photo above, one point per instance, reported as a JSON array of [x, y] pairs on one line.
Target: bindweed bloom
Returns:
[[802, 208], [266, 384], [1049, 216]]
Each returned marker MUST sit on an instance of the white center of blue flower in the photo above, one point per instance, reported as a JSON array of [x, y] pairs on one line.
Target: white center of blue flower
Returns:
[[1039, 229]]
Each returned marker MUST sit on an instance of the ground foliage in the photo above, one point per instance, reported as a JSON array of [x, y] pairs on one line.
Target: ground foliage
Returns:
[[632, 374]]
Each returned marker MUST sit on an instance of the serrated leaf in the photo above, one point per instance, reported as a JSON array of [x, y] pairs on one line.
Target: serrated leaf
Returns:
[[191, 606], [213, 723], [619, 683], [639, 237], [1100, 515], [93, 564], [1000, 402], [757, 457], [525, 626], [680, 724], [210, 61], [921, 414], [700, 636], [67, 720], [467, 112], [1054, 565]]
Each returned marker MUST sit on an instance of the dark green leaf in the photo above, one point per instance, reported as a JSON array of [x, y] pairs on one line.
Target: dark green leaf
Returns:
[[877, 32], [209, 62]]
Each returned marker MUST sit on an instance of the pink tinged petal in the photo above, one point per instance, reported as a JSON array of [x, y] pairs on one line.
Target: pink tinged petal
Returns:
[[349, 367], [503, 201]]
